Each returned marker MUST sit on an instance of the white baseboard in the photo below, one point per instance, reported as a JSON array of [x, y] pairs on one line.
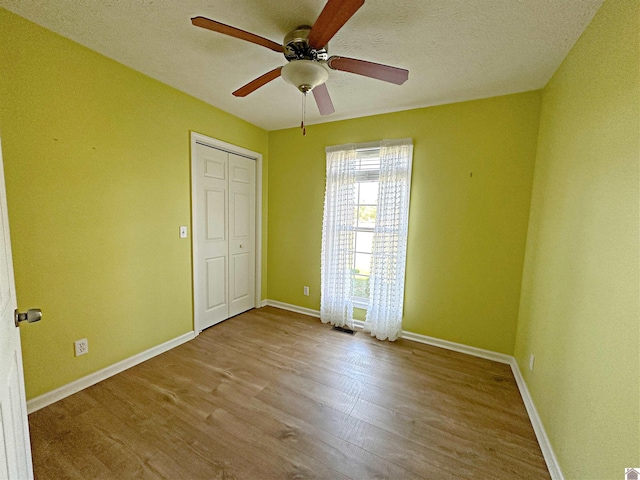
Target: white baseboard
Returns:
[[416, 337], [70, 388], [536, 422], [263, 303], [294, 308], [458, 347]]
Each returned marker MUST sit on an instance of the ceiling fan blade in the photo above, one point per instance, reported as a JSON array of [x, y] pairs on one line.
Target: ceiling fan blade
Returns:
[[323, 100], [235, 32], [369, 69], [257, 83], [333, 16]]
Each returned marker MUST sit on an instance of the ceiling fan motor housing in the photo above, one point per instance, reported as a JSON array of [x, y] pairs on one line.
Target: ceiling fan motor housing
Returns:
[[296, 46], [307, 66]]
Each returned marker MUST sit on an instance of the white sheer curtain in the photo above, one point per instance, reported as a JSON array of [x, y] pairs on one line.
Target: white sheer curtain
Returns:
[[384, 313], [336, 306]]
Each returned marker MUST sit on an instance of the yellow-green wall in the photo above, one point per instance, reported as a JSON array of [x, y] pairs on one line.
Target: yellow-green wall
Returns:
[[97, 167], [579, 312], [466, 233]]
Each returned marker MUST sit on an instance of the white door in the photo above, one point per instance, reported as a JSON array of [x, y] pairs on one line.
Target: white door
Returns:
[[15, 449], [223, 234], [210, 236], [242, 221]]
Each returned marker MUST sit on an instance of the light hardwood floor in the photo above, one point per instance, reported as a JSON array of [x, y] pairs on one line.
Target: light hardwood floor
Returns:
[[272, 394]]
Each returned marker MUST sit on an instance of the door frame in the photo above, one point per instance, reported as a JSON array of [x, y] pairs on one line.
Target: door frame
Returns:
[[235, 149]]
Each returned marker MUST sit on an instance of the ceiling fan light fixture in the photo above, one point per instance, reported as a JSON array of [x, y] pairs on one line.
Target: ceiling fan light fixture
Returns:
[[305, 74]]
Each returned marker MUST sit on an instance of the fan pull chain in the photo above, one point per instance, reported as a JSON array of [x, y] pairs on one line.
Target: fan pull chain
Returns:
[[304, 113]]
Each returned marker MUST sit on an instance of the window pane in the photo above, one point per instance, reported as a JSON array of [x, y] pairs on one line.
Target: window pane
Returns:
[[366, 212], [367, 217], [364, 240], [363, 263], [361, 286], [368, 193]]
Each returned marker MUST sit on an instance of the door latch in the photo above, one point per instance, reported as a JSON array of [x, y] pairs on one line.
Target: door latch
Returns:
[[31, 316]]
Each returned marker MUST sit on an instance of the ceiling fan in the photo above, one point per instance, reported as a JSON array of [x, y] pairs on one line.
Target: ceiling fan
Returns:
[[306, 50]]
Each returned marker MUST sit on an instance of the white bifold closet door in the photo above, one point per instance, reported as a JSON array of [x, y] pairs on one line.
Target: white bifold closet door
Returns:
[[224, 235]]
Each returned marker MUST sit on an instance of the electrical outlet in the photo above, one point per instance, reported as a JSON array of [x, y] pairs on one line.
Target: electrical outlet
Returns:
[[306, 291], [82, 346], [532, 359]]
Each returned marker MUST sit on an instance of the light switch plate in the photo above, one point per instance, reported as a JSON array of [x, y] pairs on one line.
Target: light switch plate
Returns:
[[183, 232]]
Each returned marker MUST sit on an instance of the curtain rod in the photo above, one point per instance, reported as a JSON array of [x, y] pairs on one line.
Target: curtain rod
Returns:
[[368, 145]]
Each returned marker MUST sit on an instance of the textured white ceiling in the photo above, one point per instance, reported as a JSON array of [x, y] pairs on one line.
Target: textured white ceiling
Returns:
[[455, 50]]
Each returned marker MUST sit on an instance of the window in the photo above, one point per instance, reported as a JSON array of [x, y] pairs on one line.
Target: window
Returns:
[[367, 173], [364, 235]]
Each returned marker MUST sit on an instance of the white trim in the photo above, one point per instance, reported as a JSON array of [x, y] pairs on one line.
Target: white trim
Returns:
[[536, 422], [263, 303], [70, 388], [458, 347], [359, 146], [360, 303], [416, 337], [294, 308], [258, 247], [198, 137]]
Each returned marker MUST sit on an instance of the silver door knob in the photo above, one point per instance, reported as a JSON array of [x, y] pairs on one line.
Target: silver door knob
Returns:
[[31, 316]]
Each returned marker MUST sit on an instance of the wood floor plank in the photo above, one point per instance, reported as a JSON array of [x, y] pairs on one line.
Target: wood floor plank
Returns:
[[291, 463], [386, 445], [348, 458], [478, 452], [405, 377], [350, 383], [273, 394]]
